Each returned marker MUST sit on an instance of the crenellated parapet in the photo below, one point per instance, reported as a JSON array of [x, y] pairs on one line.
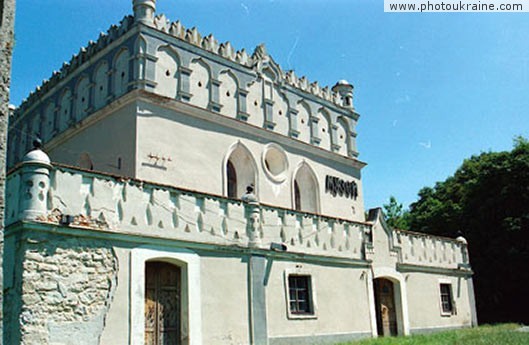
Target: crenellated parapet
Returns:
[[77, 60], [227, 51], [59, 195], [85, 200], [426, 250]]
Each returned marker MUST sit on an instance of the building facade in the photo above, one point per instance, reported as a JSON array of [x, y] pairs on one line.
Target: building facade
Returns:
[[202, 195]]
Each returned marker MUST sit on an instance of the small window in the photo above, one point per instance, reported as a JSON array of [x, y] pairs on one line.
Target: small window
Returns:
[[300, 295], [447, 304]]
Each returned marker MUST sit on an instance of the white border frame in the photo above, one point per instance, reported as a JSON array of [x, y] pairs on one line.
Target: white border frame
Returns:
[[400, 298], [293, 179], [454, 309], [283, 175], [227, 156], [189, 262], [313, 299]]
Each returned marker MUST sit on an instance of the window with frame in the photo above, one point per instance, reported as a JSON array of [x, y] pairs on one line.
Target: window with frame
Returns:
[[447, 304], [300, 295]]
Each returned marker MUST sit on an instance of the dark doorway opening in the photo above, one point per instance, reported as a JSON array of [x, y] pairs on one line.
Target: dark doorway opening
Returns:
[[162, 304], [385, 307]]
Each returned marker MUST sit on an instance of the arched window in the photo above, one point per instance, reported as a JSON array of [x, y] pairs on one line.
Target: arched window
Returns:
[[305, 190], [240, 170], [162, 303], [232, 180]]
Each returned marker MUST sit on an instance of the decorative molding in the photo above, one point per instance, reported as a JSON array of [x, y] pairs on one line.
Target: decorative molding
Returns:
[[77, 60], [259, 60], [402, 267]]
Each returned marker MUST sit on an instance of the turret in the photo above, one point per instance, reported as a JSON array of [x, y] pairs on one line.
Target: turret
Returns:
[[35, 183], [345, 90], [144, 11]]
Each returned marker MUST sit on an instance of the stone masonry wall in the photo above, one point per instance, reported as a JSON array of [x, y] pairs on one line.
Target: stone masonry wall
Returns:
[[62, 290], [7, 21]]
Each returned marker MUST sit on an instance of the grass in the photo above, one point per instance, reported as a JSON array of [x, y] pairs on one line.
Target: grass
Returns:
[[504, 334]]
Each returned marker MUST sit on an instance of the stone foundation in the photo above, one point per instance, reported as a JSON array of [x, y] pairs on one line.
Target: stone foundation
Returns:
[[61, 291]]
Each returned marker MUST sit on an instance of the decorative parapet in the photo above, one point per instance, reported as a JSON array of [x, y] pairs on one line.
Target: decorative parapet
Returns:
[[176, 29], [432, 251], [83, 56], [40, 192], [226, 51], [84, 199]]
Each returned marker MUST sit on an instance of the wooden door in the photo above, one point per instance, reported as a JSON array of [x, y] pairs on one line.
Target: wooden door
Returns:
[[385, 307], [162, 304]]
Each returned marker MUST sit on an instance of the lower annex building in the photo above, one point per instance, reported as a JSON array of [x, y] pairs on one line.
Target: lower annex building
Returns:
[[202, 195]]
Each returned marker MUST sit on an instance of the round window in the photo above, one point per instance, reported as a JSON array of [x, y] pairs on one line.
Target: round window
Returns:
[[275, 162]]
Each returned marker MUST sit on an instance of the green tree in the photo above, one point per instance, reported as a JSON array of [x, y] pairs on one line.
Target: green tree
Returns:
[[487, 201], [396, 216]]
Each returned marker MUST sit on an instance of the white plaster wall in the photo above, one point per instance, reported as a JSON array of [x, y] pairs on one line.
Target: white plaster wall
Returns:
[[224, 300], [82, 98], [424, 301], [197, 150], [101, 85], [324, 130], [255, 106], [104, 141], [121, 72], [382, 255], [341, 301], [166, 73], [303, 122], [117, 325], [341, 138], [65, 109], [266, 85], [228, 95], [280, 113], [199, 84]]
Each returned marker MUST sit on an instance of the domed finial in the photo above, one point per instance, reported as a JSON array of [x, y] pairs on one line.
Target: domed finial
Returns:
[[37, 144], [144, 11], [249, 196], [345, 90], [250, 188]]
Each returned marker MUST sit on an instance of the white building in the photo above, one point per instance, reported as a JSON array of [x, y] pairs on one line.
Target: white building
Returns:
[[140, 231]]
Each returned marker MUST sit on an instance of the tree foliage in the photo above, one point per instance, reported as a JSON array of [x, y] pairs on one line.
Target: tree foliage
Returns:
[[396, 216], [487, 201]]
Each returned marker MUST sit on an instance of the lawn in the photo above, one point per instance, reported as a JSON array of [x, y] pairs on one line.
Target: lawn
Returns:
[[505, 334]]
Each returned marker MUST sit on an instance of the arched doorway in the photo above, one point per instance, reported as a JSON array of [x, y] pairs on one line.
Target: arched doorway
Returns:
[[385, 307], [162, 304]]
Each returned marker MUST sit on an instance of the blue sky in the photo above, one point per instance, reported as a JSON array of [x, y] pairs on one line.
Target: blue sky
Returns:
[[432, 89]]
